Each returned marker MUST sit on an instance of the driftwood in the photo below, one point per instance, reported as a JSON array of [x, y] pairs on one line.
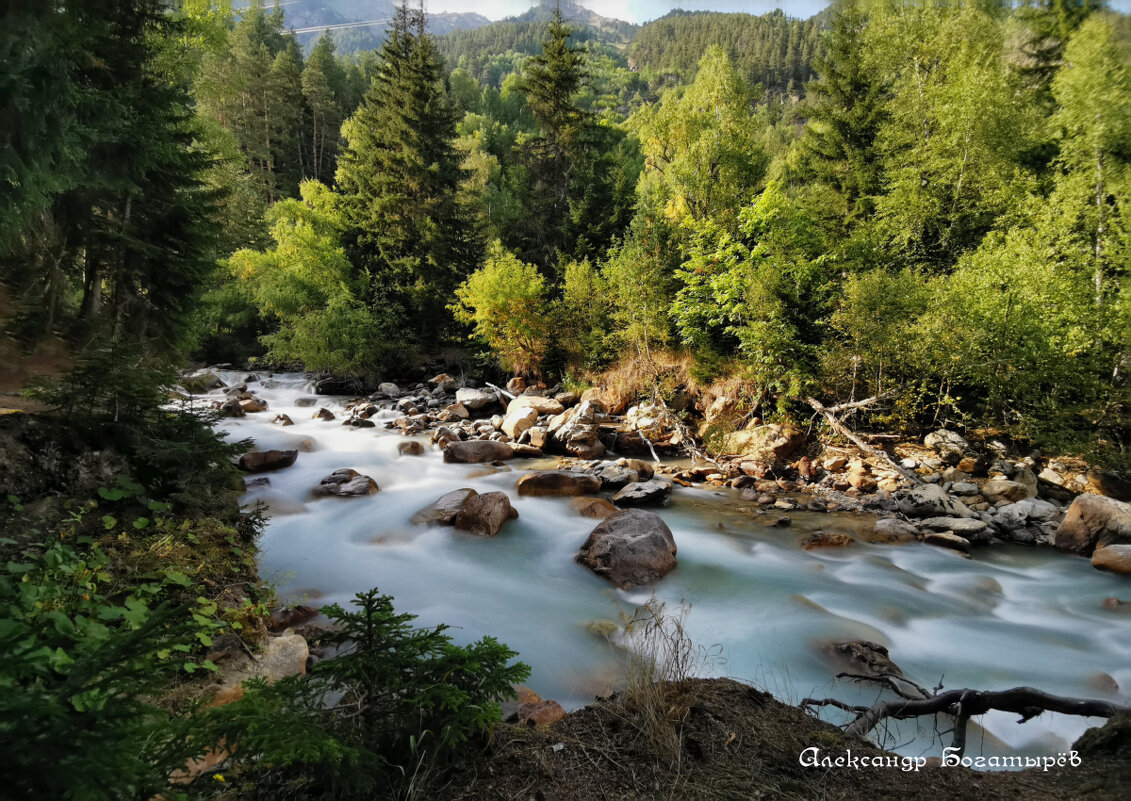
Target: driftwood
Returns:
[[830, 413], [961, 704]]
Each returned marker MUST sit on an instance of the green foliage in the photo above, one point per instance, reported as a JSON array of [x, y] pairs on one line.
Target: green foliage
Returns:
[[307, 285], [505, 300], [392, 699]]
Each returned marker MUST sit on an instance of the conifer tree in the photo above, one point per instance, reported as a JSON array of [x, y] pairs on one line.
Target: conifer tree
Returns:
[[400, 175]]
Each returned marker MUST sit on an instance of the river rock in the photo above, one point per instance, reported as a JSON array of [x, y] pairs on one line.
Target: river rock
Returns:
[[262, 461], [335, 386], [253, 405], [201, 382], [1116, 558], [643, 493], [284, 617], [892, 531], [476, 399], [948, 445], [639, 466], [558, 482], [1111, 485], [305, 403], [614, 401], [1013, 516], [540, 714], [485, 514], [1094, 521], [346, 483], [477, 450], [323, 414], [970, 528], [539, 404], [444, 509], [389, 389], [947, 539], [537, 437], [282, 420], [630, 549], [519, 420], [929, 500], [826, 539], [577, 430], [614, 476], [231, 408], [767, 443], [1004, 489], [410, 447], [596, 508]]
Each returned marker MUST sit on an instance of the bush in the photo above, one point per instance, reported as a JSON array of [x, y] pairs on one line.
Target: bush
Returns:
[[394, 701], [505, 300]]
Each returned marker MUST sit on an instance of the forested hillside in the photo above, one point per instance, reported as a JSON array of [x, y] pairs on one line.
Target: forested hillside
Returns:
[[772, 50]]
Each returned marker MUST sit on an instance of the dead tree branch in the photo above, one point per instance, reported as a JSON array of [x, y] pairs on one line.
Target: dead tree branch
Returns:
[[830, 413]]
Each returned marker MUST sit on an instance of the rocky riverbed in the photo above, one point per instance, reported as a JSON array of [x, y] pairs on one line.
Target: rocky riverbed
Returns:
[[562, 522]]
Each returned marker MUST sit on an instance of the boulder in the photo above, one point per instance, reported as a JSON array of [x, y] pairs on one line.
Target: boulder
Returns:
[[477, 450], [262, 461], [517, 385], [476, 399], [596, 508], [1094, 521], [323, 414], [860, 478], [518, 421], [282, 420], [458, 410], [253, 405], [630, 549], [558, 482], [346, 483], [1112, 485], [612, 400], [643, 493], [201, 382], [444, 509], [577, 430], [527, 452], [826, 539], [639, 466], [389, 388], [540, 714], [929, 500], [305, 403], [232, 408], [485, 514], [410, 447], [1116, 558], [539, 404], [768, 443], [283, 617], [1003, 489], [538, 437], [1014, 516], [335, 386], [947, 539], [614, 476], [969, 528], [948, 445], [892, 531]]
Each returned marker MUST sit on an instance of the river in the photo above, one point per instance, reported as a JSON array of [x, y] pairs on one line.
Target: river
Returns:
[[1012, 615]]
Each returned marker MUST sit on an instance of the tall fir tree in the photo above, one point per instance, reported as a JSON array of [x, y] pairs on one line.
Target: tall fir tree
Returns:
[[400, 175]]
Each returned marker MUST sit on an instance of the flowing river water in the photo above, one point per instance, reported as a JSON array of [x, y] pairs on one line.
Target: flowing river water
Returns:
[[1010, 616]]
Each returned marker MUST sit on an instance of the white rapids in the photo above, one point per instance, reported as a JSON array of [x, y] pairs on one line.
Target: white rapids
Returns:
[[1011, 616]]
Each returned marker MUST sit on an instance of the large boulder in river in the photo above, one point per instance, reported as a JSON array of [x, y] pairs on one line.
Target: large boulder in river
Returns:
[[1003, 489], [643, 493], [519, 420], [630, 549], [346, 483], [485, 514], [577, 431], [476, 399], [539, 404], [477, 450], [558, 482], [444, 509], [769, 442], [970, 528], [929, 500], [1094, 521], [262, 461], [1116, 558]]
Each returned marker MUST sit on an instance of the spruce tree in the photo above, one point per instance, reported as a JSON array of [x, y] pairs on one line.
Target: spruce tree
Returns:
[[845, 107], [400, 174]]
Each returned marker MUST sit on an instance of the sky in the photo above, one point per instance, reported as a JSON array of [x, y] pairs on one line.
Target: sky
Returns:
[[634, 10]]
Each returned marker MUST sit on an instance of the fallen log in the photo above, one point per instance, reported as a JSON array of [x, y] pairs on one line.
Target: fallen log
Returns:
[[964, 704], [830, 414]]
